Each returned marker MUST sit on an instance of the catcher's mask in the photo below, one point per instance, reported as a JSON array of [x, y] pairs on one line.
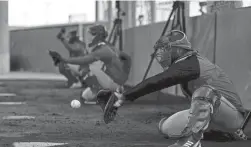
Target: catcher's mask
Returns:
[[98, 33], [167, 44], [72, 36]]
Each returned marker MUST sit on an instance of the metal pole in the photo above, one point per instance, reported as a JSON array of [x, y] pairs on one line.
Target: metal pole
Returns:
[[120, 25], [163, 32], [120, 36], [97, 7]]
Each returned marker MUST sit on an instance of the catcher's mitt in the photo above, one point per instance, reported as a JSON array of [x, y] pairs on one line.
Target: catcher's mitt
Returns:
[[60, 34], [110, 111], [106, 100], [56, 57], [103, 97]]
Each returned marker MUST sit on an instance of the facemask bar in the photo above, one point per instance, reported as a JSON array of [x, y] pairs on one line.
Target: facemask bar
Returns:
[[163, 56], [164, 46], [99, 34]]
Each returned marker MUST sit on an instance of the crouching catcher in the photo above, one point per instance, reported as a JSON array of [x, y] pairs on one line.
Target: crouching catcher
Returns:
[[109, 67], [76, 47], [215, 104]]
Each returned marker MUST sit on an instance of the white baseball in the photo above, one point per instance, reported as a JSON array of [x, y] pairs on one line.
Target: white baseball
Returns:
[[75, 104]]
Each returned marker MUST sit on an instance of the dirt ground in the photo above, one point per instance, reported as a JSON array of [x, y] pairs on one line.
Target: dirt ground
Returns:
[[56, 121]]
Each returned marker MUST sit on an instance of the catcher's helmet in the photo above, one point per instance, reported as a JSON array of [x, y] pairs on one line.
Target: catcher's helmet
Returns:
[[169, 41], [73, 36], [99, 33]]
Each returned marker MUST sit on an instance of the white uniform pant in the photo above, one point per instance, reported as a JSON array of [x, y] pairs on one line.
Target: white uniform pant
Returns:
[[226, 119]]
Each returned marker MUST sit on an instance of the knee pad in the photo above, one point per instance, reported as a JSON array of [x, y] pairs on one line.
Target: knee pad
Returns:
[[208, 94], [64, 69], [88, 94], [204, 101]]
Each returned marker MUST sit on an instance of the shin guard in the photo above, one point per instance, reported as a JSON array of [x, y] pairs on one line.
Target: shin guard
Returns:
[[67, 73], [204, 101]]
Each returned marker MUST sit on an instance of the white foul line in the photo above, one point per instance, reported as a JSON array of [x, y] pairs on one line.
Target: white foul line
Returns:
[[36, 144], [12, 103], [7, 94], [17, 117]]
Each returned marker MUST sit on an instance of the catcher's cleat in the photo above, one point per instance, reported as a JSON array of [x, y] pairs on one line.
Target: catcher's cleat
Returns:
[[240, 135], [76, 85], [110, 110], [103, 97], [190, 141]]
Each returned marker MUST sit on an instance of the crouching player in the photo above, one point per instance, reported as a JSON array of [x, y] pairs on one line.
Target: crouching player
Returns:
[[109, 67], [215, 104], [76, 48]]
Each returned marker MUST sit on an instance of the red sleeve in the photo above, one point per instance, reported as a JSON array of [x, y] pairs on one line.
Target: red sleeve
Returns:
[[101, 54]]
